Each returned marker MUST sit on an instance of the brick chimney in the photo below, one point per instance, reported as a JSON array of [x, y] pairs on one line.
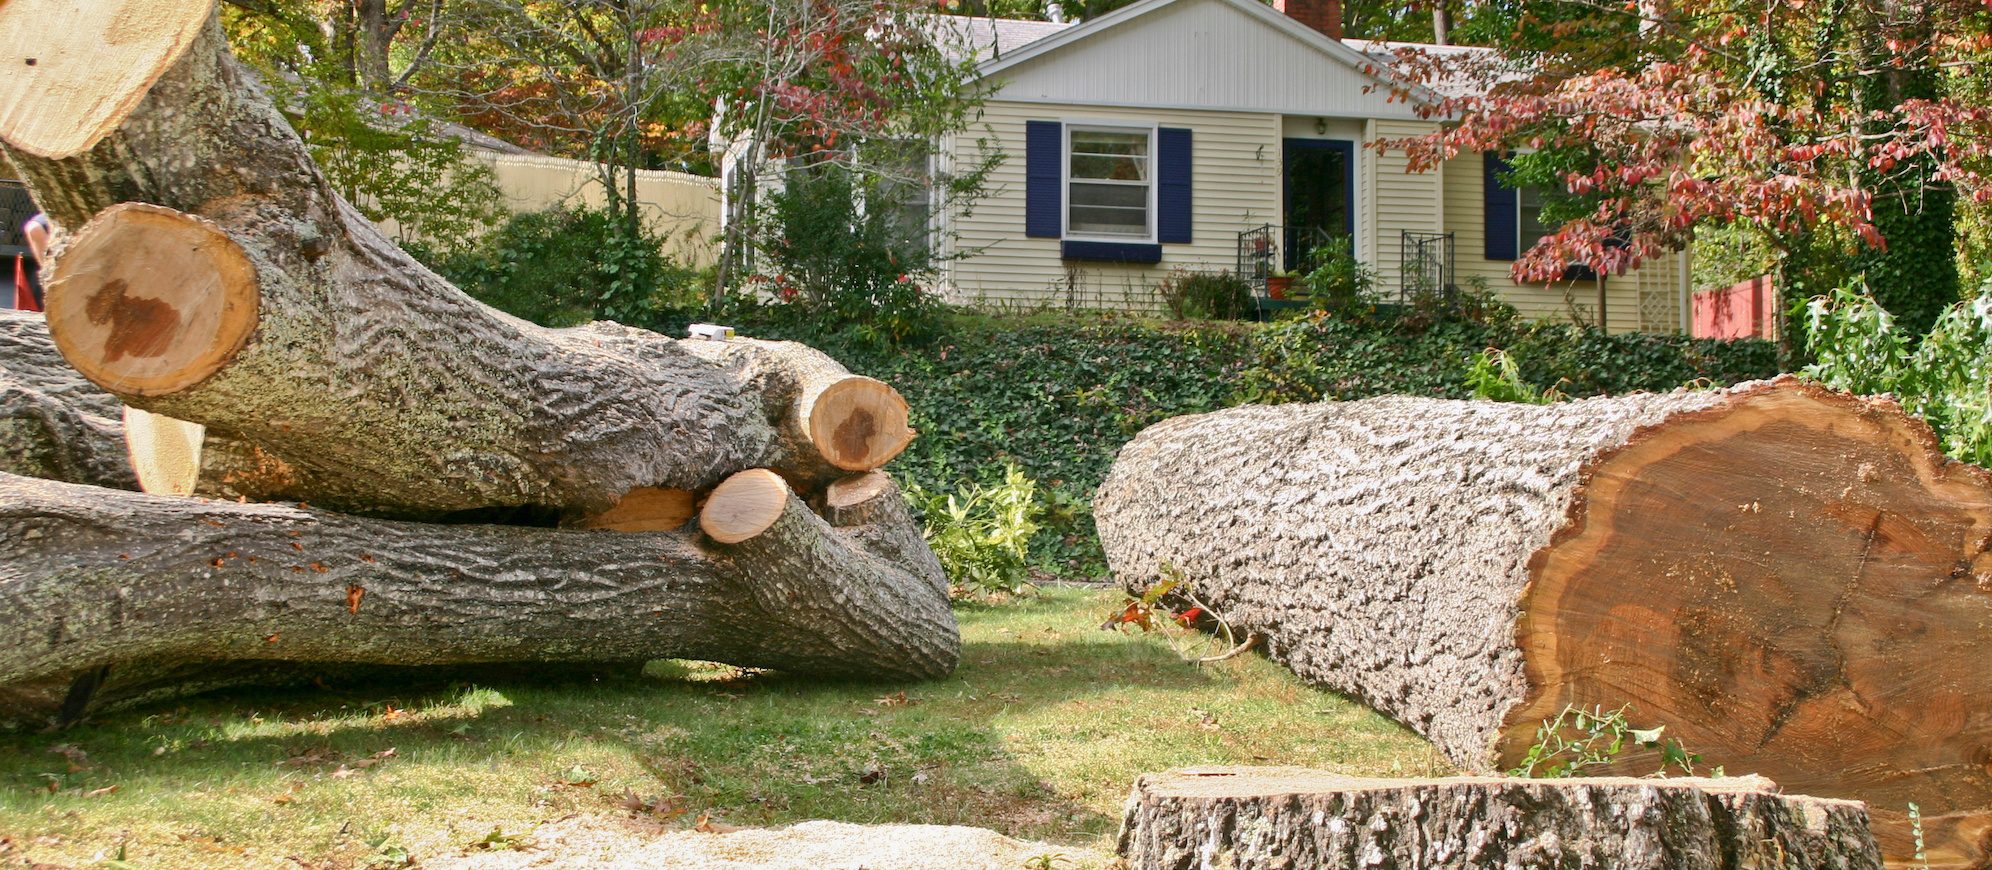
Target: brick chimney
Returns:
[[1322, 15]]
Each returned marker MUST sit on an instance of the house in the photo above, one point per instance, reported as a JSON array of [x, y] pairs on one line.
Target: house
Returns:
[[1161, 135]]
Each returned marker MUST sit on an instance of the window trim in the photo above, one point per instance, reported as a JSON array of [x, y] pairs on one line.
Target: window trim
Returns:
[[1069, 126]]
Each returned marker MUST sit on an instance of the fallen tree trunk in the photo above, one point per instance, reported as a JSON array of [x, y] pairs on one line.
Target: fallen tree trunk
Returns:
[[1264, 818], [53, 423], [1794, 582], [247, 297], [95, 578]]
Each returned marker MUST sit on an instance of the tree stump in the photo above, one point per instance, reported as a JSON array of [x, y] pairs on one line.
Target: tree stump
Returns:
[[1243, 818], [1794, 582]]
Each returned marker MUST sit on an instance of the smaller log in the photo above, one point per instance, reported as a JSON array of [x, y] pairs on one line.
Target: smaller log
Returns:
[[744, 505], [168, 300], [870, 510], [1250, 818], [849, 501]]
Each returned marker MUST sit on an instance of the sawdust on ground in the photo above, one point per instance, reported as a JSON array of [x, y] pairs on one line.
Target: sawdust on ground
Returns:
[[598, 843]]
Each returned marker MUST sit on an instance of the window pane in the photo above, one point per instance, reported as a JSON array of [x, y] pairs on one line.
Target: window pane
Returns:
[[1531, 226], [1110, 142], [1109, 208], [1116, 168]]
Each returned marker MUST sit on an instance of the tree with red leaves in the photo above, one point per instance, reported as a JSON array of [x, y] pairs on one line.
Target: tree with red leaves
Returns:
[[1825, 127]]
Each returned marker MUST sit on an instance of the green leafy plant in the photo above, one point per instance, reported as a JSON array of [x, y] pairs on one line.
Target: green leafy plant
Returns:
[[1495, 375], [1196, 295], [1916, 829], [1339, 282], [1945, 378], [982, 534], [1578, 738], [1190, 630]]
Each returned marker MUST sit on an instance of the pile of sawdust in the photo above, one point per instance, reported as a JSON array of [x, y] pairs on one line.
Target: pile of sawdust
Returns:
[[594, 843]]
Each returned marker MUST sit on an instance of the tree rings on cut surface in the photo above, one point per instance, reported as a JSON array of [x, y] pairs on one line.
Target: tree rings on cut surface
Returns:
[[76, 68], [148, 301], [744, 505], [859, 423]]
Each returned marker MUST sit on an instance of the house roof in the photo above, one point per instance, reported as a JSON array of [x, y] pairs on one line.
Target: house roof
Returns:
[[985, 39], [1454, 80], [1380, 70]]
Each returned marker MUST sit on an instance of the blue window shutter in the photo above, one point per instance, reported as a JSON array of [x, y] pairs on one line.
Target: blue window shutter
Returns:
[[1173, 208], [1044, 155], [1502, 220]]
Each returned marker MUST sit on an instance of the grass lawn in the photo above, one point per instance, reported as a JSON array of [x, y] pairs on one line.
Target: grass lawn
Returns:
[[1038, 735]]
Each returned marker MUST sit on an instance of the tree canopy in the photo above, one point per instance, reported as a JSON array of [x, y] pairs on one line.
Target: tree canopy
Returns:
[[1836, 131]]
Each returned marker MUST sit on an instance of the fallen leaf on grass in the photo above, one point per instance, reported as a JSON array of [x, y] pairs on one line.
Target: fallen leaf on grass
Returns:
[[706, 825], [663, 807], [100, 792], [576, 777], [896, 699], [288, 795], [872, 776], [385, 753]]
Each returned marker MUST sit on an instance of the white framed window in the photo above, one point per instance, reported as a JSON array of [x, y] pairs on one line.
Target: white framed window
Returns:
[[1110, 182]]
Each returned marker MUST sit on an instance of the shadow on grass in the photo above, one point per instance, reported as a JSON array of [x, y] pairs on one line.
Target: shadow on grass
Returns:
[[1037, 735]]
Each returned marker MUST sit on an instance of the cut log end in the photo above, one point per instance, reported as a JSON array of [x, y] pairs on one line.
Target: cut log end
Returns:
[[1826, 609], [77, 69], [744, 505], [165, 452], [147, 301], [859, 423], [646, 509]]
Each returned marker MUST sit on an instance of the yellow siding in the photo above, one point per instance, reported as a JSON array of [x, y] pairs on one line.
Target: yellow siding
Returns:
[[1646, 299], [1235, 186], [1403, 201]]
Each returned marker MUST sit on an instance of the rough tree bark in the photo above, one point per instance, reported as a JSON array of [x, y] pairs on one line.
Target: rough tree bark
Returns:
[[248, 297], [1266, 818], [206, 272], [1795, 582], [152, 587], [53, 423]]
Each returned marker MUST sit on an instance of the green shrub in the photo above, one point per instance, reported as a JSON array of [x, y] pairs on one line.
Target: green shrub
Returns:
[[1945, 378], [563, 266], [843, 253], [982, 534], [1190, 295]]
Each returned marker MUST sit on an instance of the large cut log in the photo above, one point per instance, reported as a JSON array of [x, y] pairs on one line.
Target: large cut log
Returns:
[[53, 423], [1245, 818], [247, 297], [1795, 582], [93, 578]]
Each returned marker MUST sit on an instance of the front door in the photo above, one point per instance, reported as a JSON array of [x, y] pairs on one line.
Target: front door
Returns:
[[1320, 197]]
